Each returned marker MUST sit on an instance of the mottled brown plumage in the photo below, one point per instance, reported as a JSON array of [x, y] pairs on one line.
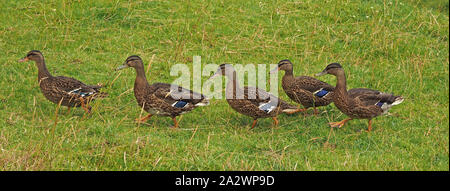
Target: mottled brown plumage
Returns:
[[161, 98], [60, 89], [251, 101], [358, 103], [307, 91]]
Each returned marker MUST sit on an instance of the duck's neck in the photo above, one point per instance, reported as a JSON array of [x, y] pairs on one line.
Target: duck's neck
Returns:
[[233, 87], [141, 80], [289, 73], [341, 86], [42, 69]]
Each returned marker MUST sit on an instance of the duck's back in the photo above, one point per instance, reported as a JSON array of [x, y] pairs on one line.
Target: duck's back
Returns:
[[308, 91], [257, 103], [168, 99], [67, 89], [368, 103], [311, 84]]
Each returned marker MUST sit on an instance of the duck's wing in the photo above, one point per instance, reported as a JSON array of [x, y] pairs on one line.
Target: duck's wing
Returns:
[[362, 91], [369, 97], [177, 96], [313, 85], [74, 87], [265, 101]]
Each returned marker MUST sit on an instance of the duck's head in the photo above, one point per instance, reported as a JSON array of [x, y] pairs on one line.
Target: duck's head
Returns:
[[34, 55], [285, 65], [223, 70], [132, 61], [333, 69]]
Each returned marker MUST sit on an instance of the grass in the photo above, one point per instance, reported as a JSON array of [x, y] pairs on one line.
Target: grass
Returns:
[[393, 46]]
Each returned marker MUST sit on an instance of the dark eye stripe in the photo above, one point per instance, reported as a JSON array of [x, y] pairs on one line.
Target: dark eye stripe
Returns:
[[133, 58], [222, 66], [34, 52], [333, 65], [283, 62]]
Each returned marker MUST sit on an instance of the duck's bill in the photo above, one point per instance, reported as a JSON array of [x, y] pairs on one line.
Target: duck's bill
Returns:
[[122, 67], [23, 59], [275, 70], [321, 73], [214, 76]]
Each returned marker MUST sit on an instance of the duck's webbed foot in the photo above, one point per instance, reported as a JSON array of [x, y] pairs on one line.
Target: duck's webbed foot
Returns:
[[297, 110], [340, 123], [144, 119]]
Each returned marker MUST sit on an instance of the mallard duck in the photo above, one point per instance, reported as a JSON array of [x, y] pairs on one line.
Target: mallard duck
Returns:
[[308, 91], [63, 90], [161, 98], [358, 103], [251, 101]]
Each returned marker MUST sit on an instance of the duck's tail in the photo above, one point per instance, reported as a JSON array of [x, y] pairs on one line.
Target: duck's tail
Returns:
[[398, 100], [204, 102], [388, 101], [99, 94]]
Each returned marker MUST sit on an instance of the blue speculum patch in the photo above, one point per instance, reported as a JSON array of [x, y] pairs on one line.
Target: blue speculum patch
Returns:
[[379, 104], [180, 104], [321, 93], [79, 92], [266, 107]]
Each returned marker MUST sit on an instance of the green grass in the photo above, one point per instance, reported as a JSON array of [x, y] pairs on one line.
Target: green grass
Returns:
[[393, 46]]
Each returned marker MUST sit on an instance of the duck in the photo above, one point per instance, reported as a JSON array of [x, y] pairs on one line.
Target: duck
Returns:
[[305, 90], [251, 101], [161, 98], [62, 90], [358, 103]]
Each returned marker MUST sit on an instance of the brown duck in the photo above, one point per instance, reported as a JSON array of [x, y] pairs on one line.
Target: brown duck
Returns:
[[63, 90], [358, 103], [307, 91], [251, 101], [161, 98]]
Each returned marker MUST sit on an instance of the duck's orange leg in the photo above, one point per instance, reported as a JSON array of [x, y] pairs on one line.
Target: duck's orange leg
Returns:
[[254, 123], [370, 125], [315, 111], [297, 110], [275, 121], [340, 123], [144, 119], [175, 122], [84, 106]]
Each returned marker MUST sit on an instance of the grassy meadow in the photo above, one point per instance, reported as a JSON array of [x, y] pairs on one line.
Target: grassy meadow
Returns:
[[393, 46]]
